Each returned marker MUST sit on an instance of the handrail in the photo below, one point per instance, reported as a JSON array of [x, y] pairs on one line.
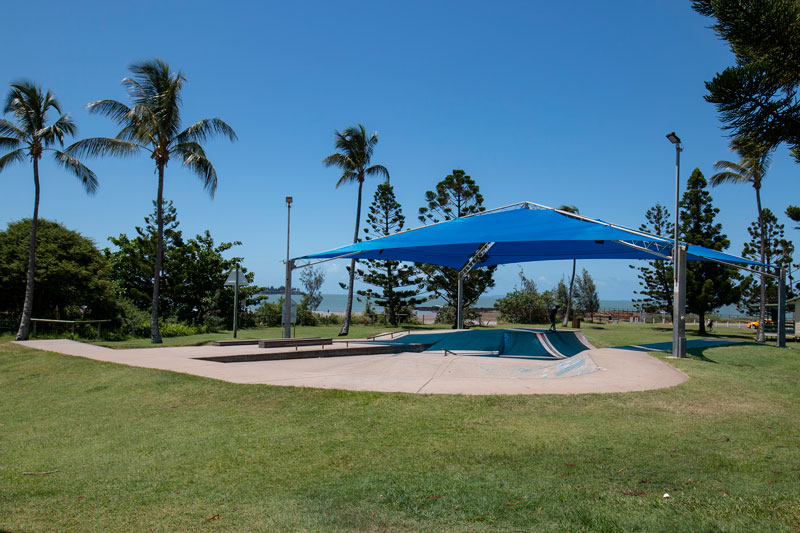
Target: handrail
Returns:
[[73, 322], [68, 321], [391, 333]]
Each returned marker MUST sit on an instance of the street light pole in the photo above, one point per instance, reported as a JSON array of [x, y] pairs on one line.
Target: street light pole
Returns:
[[287, 308], [678, 265]]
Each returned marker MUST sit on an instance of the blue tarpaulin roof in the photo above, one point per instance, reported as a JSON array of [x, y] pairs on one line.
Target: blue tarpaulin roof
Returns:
[[520, 235]]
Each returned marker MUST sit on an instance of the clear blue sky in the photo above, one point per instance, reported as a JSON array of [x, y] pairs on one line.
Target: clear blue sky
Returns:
[[552, 103]]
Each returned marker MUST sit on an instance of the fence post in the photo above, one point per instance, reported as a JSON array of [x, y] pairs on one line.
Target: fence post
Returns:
[[34, 329], [73, 331]]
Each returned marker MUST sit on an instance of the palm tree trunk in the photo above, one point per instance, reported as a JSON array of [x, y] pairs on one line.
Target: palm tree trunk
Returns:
[[349, 309], [390, 293], [27, 309], [155, 333], [569, 298], [760, 336]]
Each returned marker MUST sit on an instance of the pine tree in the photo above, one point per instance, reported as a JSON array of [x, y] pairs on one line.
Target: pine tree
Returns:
[[793, 212], [397, 282], [586, 299], [709, 285], [777, 251], [656, 278], [562, 294], [312, 279], [456, 195]]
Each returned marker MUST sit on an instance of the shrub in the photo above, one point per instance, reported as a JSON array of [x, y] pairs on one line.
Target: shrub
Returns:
[[525, 305]]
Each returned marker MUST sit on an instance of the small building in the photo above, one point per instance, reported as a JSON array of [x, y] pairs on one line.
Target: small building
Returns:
[[796, 302]]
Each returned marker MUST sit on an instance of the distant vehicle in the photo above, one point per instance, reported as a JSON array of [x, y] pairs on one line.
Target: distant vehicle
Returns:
[[754, 324]]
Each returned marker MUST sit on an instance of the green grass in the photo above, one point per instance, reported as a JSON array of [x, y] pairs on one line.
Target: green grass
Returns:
[[139, 449]]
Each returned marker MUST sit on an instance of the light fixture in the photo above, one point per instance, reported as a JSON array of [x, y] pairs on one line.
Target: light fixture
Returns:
[[674, 139]]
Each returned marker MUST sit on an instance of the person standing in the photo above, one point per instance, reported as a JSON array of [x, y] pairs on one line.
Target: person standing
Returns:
[[553, 313]]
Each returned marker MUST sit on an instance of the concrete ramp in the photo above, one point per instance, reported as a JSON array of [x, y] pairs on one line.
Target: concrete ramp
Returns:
[[515, 343]]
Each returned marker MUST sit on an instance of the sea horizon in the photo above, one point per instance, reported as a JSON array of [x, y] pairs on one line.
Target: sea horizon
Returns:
[[336, 303]]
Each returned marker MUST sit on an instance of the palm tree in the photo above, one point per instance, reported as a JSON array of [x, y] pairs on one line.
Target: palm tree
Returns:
[[31, 137], [752, 167], [153, 125], [353, 157], [574, 210]]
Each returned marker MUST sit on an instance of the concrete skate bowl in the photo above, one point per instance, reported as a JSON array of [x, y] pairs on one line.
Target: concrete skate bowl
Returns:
[[567, 351]]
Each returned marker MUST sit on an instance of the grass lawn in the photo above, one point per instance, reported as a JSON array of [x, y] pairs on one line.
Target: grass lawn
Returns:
[[136, 449]]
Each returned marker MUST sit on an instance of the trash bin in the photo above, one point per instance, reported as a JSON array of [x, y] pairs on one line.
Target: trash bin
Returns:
[[576, 322]]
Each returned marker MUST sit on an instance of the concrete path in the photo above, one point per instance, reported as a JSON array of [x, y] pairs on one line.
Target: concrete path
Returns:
[[599, 370]]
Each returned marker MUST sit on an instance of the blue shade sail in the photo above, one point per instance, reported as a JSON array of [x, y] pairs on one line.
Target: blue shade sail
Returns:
[[519, 236]]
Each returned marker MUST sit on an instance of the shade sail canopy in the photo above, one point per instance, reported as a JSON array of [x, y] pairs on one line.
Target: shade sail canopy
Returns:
[[520, 235]]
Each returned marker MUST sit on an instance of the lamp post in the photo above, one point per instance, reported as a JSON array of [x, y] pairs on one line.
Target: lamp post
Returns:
[[674, 139], [678, 266], [287, 308]]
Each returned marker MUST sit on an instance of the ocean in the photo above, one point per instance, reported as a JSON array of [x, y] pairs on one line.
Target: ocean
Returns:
[[336, 303]]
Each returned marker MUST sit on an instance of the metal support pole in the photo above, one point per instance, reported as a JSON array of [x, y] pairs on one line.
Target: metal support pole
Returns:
[[679, 304], [287, 302], [678, 151], [287, 297], [460, 310], [678, 264], [236, 302], [782, 309]]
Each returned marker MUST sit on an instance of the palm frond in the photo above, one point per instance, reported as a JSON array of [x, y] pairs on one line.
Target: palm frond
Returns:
[[101, 146], [728, 177], [158, 87], [140, 126], [730, 165], [339, 160], [17, 156], [116, 111], [57, 130], [187, 147], [201, 166], [202, 130], [377, 170], [81, 171], [50, 101], [8, 128], [9, 143], [348, 176], [24, 102]]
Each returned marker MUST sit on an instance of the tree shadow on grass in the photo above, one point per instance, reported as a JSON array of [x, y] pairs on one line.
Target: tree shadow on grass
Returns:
[[698, 354]]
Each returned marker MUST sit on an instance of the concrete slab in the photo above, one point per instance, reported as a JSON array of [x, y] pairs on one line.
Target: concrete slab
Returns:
[[600, 370]]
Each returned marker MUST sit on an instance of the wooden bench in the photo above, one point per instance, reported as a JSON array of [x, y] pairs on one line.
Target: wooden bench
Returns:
[[253, 342], [301, 341]]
